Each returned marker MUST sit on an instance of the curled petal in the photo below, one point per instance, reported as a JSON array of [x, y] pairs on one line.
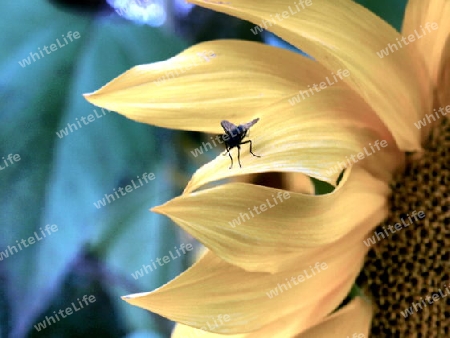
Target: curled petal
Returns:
[[353, 318], [351, 321], [259, 228], [319, 137], [212, 289]]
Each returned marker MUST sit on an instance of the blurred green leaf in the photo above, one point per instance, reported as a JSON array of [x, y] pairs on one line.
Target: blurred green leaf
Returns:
[[58, 179], [29, 107]]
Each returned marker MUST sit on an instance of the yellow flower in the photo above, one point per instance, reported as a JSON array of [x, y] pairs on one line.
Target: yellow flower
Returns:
[[282, 271]]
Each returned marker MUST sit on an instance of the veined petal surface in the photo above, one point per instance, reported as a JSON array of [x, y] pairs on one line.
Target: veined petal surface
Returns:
[[428, 22], [236, 81], [354, 317], [341, 34], [213, 288], [443, 84], [284, 224], [351, 321]]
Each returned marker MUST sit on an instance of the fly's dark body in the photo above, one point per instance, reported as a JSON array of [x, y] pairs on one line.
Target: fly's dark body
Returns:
[[233, 137]]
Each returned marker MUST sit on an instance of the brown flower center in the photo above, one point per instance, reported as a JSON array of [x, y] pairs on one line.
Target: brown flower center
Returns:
[[407, 273]]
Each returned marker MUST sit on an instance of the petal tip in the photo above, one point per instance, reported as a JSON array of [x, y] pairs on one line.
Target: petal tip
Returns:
[[89, 96], [158, 210]]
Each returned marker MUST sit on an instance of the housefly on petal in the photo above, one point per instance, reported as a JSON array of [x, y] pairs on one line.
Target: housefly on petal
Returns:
[[233, 138]]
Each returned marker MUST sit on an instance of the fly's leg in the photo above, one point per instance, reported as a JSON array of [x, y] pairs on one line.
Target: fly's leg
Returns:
[[231, 166], [251, 152], [239, 156]]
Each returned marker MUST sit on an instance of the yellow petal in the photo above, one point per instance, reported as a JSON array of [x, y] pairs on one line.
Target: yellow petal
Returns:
[[259, 228], [426, 30], [318, 137], [428, 22], [352, 321], [298, 183], [184, 331], [443, 85], [237, 80], [213, 289], [341, 34], [354, 317]]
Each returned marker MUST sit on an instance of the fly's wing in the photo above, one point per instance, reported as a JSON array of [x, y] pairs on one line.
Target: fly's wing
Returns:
[[247, 125], [228, 126]]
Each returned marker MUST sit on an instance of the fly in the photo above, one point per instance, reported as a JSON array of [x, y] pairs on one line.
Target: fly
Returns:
[[233, 137]]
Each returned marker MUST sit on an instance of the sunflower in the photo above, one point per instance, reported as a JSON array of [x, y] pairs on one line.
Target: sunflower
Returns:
[[367, 115]]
